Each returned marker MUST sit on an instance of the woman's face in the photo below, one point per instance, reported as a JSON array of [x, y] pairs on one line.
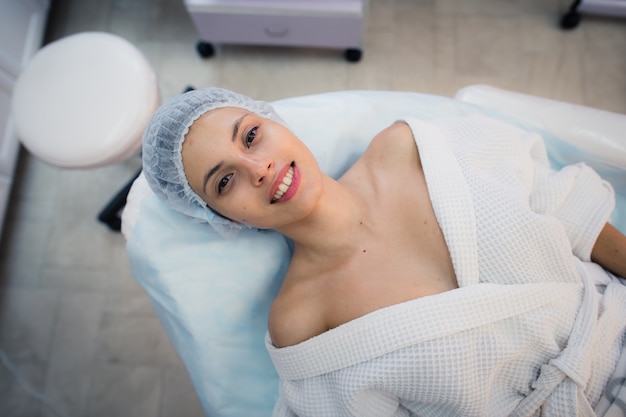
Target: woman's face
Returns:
[[250, 169]]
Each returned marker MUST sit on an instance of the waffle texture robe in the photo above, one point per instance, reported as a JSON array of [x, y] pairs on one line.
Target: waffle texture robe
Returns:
[[534, 328]]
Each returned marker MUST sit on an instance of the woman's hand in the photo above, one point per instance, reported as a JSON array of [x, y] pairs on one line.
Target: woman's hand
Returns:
[[609, 250]]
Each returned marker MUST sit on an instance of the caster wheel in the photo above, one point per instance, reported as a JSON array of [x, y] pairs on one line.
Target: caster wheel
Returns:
[[570, 20], [353, 55], [205, 49]]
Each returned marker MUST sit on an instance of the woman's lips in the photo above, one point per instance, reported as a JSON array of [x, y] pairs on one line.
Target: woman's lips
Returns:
[[286, 184]]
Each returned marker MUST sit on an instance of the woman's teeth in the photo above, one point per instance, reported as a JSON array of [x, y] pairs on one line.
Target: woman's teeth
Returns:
[[284, 186]]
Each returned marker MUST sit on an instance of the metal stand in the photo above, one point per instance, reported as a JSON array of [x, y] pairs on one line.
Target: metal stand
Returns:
[[571, 19], [111, 214]]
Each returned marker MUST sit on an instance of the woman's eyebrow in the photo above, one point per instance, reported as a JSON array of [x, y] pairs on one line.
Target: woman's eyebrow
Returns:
[[217, 167], [209, 174], [236, 126]]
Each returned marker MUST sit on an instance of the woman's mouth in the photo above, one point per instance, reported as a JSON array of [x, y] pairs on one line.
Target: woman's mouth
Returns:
[[287, 186]]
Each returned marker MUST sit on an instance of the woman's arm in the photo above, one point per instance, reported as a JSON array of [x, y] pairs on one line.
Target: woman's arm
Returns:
[[609, 250]]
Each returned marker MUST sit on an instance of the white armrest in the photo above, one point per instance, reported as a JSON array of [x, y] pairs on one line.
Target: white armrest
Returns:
[[599, 133]]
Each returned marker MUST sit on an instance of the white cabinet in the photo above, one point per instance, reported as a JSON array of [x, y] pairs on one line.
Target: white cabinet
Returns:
[[22, 24], [308, 23]]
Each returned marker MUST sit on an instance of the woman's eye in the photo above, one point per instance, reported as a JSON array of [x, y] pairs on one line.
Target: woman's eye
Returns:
[[223, 183], [250, 136]]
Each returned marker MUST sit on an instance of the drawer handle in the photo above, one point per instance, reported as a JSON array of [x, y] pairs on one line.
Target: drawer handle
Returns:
[[276, 32]]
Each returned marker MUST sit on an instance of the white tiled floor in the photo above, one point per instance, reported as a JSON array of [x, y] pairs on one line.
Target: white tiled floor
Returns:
[[71, 317]]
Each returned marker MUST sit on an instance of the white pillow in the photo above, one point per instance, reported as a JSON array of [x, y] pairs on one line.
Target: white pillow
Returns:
[[213, 295]]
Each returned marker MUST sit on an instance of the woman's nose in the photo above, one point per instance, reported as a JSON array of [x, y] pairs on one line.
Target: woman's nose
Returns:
[[260, 170]]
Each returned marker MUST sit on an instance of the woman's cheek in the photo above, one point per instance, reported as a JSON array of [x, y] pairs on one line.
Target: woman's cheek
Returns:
[[243, 220]]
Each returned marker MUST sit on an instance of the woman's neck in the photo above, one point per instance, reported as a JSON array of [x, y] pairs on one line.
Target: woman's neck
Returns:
[[340, 216]]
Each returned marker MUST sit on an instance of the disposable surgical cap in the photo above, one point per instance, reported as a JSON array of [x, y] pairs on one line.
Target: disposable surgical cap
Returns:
[[162, 150]]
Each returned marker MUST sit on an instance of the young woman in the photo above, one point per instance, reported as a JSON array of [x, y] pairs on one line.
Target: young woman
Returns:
[[476, 250]]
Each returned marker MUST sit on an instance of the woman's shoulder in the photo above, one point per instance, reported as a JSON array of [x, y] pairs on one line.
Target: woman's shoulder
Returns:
[[294, 318], [391, 146], [391, 153], [298, 311]]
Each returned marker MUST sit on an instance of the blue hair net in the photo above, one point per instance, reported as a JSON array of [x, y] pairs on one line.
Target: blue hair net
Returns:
[[162, 150]]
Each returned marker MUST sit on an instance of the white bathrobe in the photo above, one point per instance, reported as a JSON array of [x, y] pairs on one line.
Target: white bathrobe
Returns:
[[534, 327]]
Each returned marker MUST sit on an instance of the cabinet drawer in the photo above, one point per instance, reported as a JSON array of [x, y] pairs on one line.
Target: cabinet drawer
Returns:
[[294, 30], [335, 8]]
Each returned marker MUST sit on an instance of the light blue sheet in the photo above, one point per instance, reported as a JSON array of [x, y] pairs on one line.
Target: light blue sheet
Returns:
[[213, 295]]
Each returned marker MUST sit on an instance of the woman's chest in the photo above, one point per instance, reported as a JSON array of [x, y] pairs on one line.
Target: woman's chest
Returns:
[[401, 264]]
